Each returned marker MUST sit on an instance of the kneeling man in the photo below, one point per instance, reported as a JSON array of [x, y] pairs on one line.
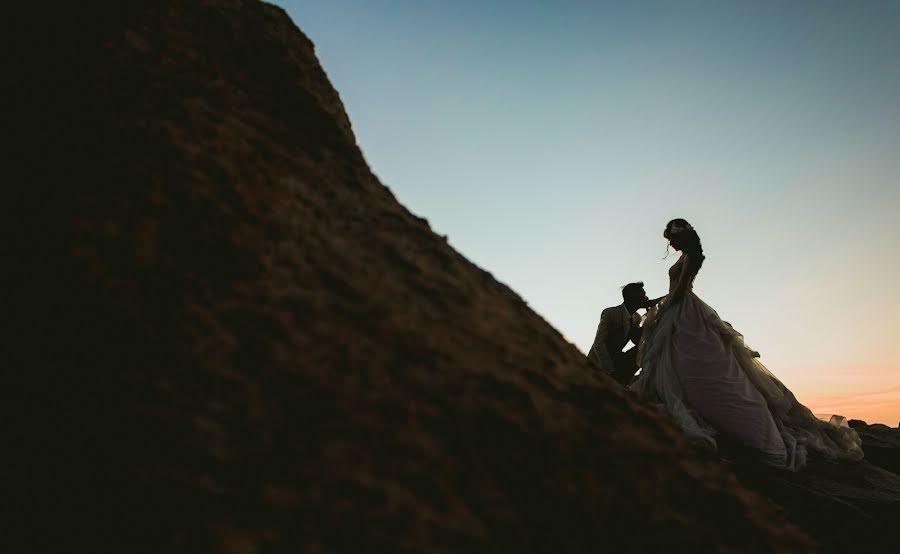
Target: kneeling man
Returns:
[[618, 325]]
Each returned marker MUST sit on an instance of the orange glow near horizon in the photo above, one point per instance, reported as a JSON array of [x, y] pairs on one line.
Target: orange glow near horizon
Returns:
[[870, 394], [871, 407]]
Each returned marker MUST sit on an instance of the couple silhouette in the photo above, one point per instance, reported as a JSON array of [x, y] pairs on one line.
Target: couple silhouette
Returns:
[[697, 367]]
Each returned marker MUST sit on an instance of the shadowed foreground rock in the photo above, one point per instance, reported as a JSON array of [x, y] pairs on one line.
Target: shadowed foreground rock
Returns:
[[846, 507], [232, 337], [882, 445]]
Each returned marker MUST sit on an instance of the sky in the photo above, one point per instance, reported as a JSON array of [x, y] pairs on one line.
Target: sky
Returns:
[[552, 141]]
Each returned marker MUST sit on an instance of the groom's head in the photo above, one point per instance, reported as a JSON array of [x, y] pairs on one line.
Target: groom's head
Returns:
[[635, 296]]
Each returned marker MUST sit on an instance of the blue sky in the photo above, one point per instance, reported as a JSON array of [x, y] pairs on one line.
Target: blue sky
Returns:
[[551, 141]]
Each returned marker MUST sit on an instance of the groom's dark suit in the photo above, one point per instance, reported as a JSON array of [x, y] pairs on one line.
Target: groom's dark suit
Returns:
[[617, 326]]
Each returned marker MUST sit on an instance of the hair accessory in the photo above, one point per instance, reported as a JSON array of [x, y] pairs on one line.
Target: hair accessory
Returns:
[[675, 228]]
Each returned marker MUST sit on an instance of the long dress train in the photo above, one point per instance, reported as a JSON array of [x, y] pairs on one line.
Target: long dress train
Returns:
[[697, 367]]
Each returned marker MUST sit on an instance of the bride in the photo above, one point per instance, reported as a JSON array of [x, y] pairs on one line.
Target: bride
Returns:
[[698, 368]]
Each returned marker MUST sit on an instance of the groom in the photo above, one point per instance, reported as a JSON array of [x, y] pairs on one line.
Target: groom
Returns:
[[618, 325]]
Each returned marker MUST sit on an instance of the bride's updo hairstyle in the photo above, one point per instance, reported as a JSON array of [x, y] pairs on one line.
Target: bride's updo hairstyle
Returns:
[[688, 242]]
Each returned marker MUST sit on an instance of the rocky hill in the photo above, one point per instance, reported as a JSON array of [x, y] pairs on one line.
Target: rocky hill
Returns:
[[230, 337]]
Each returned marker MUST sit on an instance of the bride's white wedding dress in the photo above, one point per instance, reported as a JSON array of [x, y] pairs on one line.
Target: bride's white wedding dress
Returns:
[[697, 367]]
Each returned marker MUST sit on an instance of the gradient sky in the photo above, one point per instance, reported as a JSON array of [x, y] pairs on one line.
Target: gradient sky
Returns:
[[553, 140]]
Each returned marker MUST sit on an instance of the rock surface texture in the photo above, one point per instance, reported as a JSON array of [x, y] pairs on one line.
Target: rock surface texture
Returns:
[[232, 338]]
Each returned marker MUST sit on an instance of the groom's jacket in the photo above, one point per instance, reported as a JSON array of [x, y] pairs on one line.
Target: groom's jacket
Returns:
[[613, 333]]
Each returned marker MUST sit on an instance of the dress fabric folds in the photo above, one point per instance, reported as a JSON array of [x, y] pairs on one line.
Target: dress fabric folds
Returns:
[[698, 368]]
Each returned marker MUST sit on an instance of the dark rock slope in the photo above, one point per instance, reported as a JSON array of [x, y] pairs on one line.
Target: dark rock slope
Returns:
[[846, 507], [230, 337]]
